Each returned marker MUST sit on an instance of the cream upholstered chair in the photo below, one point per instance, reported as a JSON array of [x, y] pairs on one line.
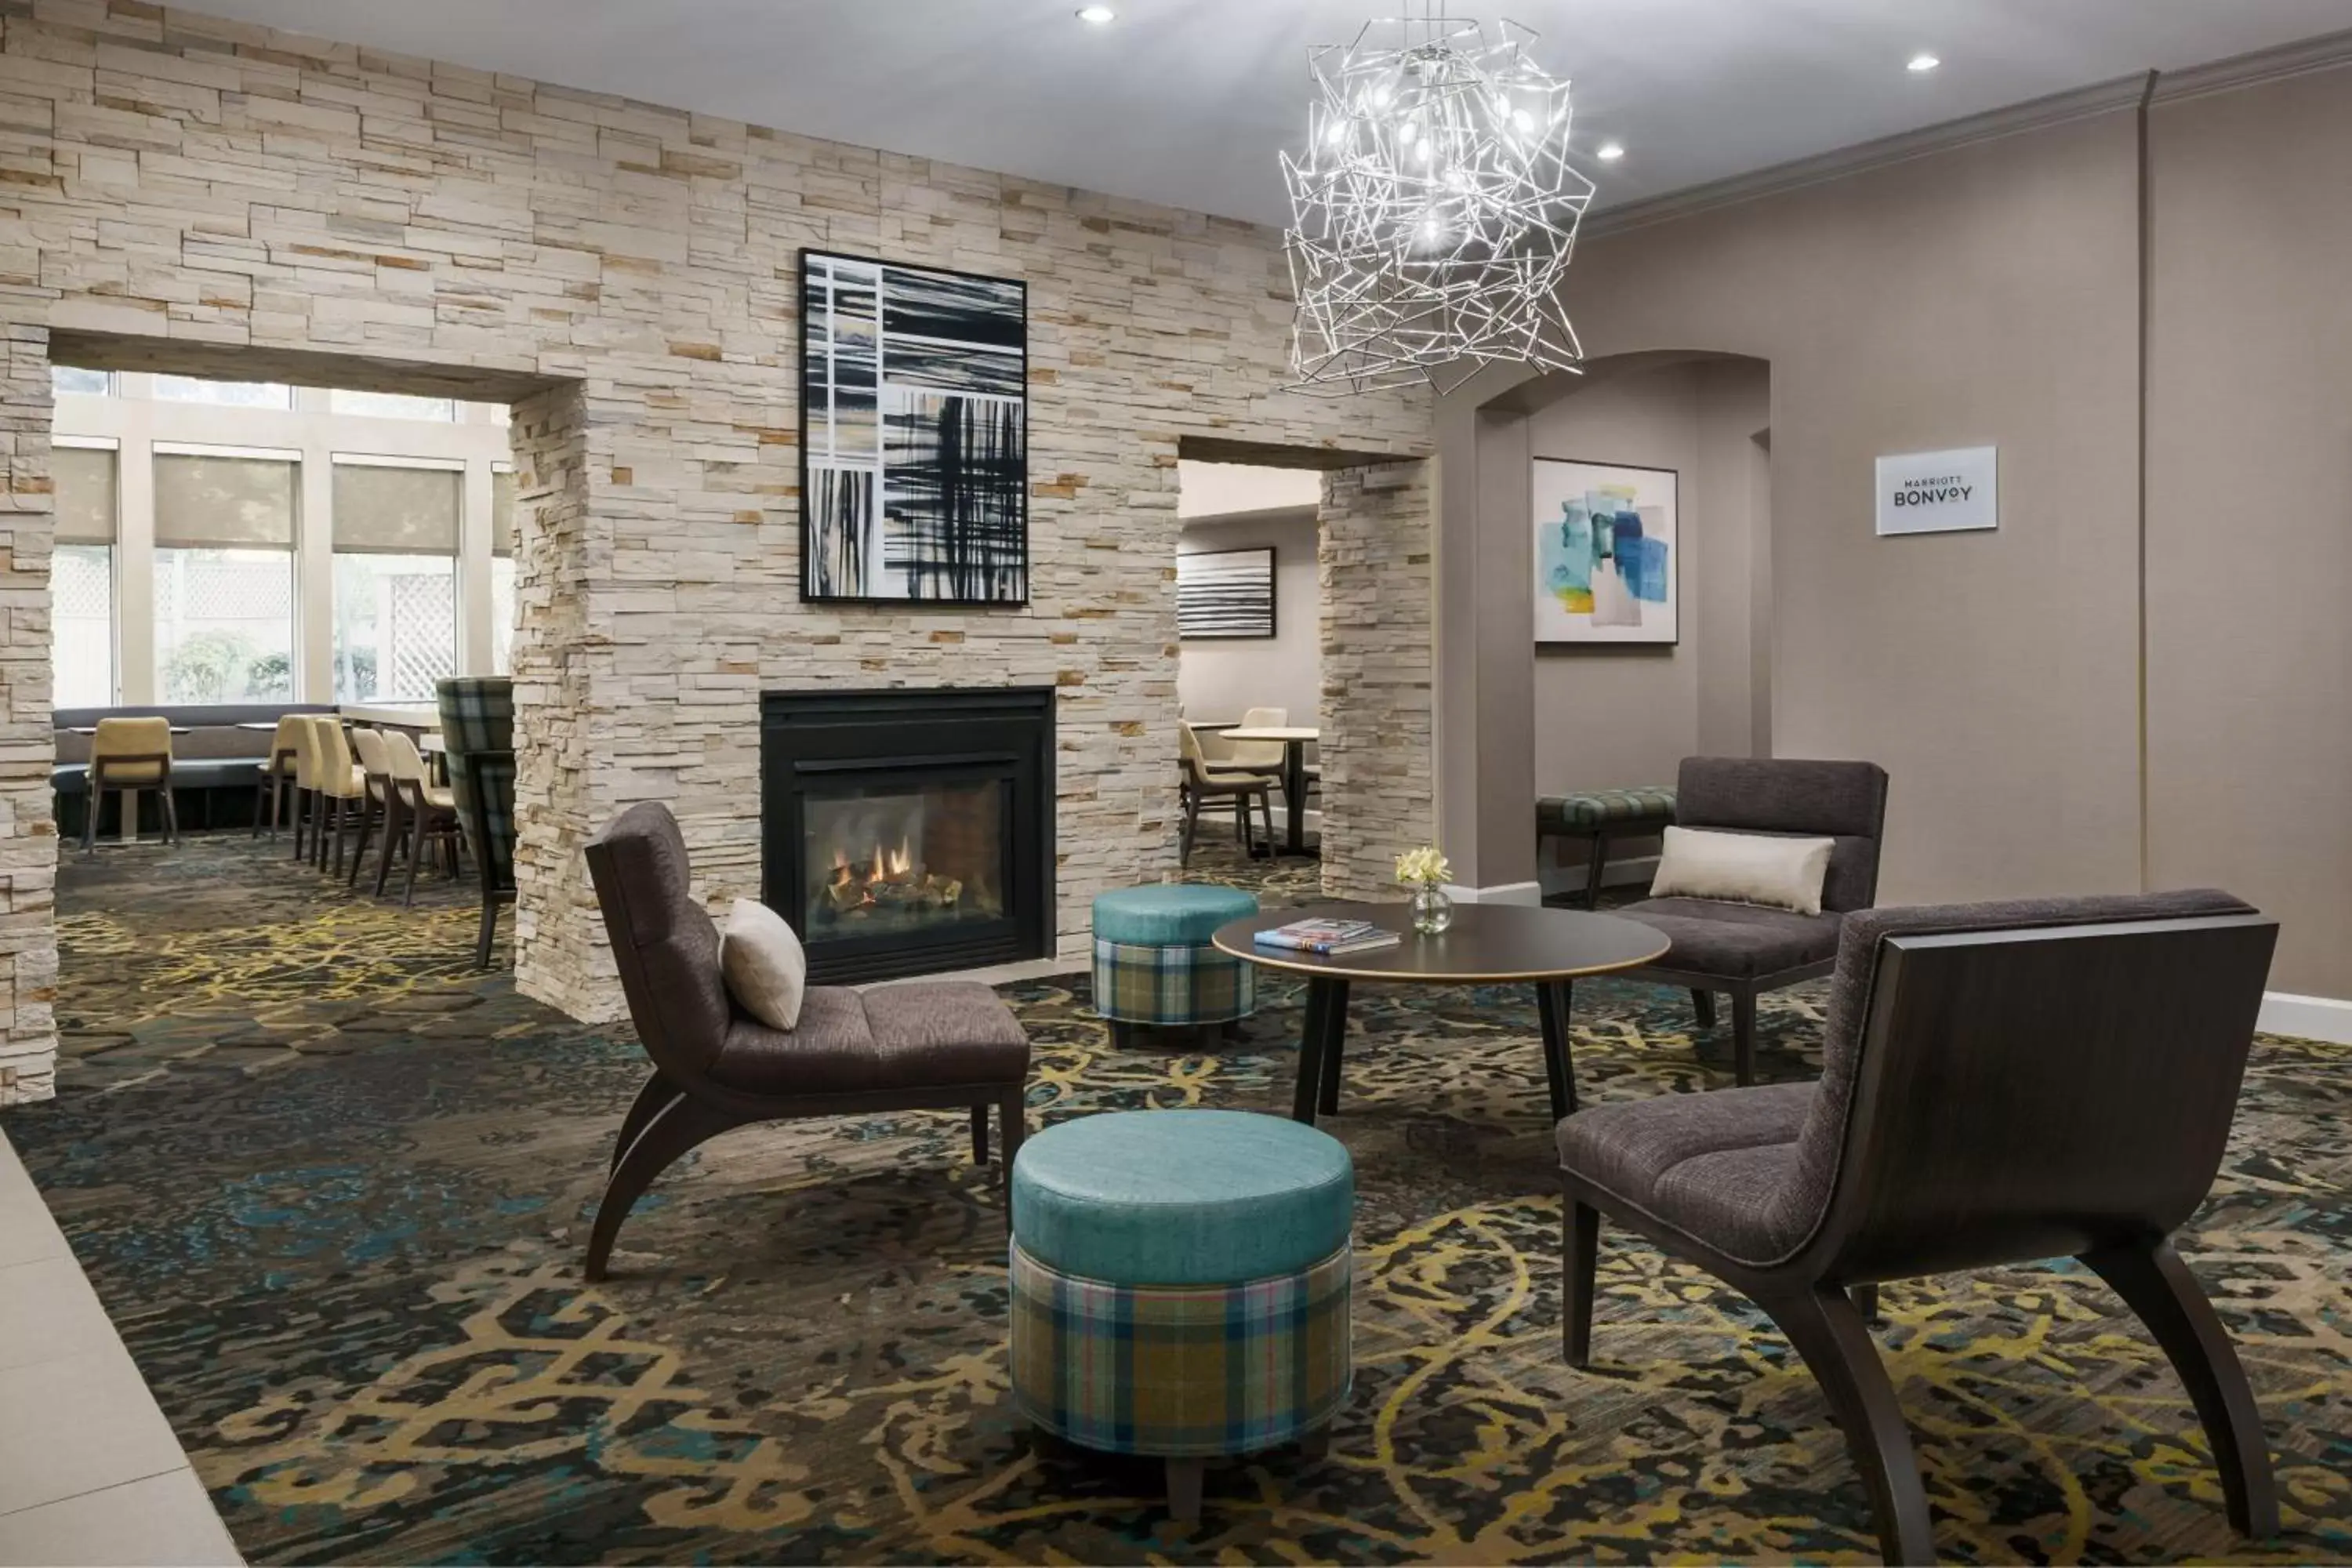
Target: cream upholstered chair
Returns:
[[418, 806], [1197, 787], [278, 780], [342, 788], [305, 742], [1259, 756], [375, 804], [131, 755]]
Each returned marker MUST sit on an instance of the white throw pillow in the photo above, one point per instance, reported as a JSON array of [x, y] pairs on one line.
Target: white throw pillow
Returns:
[[767, 973], [1743, 868]]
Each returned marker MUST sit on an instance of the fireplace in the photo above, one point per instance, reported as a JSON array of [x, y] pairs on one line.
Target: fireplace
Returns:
[[908, 832]]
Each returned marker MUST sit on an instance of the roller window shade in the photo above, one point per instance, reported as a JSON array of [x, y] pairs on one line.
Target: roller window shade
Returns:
[[84, 481], [218, 502], [502, 514], [396, 511]]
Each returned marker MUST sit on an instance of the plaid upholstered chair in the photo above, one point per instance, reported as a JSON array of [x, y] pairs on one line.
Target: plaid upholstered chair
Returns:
[[2001, 1083], [477, 737]]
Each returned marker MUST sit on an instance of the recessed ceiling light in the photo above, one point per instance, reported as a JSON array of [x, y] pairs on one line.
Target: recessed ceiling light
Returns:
[[1923, 62], [1097, 15], [1610, 152]]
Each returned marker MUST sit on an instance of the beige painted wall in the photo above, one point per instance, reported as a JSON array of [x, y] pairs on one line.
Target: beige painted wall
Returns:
[[1982, 296], [1610, 717], [2250, 511], [1217, 679]]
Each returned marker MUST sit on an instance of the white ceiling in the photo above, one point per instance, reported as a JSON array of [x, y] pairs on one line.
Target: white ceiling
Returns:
[[1187, 101]]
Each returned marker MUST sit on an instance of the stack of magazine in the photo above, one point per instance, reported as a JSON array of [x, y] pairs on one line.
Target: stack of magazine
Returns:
[[1326, 938]]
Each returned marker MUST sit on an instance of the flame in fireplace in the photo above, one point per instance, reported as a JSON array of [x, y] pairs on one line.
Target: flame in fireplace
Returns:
[[890, 876]]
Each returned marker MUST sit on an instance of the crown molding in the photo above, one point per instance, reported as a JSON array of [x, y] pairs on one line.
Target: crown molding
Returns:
[[2016, 118], [2329, 51]]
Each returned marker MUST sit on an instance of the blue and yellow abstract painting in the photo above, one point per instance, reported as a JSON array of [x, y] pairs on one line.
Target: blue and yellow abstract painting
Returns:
[[1605, 553]]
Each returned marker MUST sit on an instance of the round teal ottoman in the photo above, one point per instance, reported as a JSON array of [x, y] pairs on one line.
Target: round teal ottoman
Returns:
[[1154, 963], [1180, 1285]]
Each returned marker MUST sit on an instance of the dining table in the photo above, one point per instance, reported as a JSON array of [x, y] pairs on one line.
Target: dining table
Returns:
[[1294, 740]]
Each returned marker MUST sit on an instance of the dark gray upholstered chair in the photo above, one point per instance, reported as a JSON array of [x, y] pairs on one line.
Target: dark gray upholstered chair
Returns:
[[925, 1046], [1743, 950], [2002, 1082]]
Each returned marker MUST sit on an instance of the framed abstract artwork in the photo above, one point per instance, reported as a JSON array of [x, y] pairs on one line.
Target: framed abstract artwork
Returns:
[[913, 434], [1607, 554], [1224, 594]]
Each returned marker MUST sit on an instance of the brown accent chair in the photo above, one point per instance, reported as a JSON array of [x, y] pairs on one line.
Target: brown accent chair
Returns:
[[1197, 787], [2002, 1082], [1745, 950], [131, 755], [924, 1046]]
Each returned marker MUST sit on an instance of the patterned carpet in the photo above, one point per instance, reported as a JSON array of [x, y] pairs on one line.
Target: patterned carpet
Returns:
[[334, 1187]]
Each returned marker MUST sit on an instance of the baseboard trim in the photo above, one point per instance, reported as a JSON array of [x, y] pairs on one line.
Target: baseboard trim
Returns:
[[2305, 1017], [1530, 894]]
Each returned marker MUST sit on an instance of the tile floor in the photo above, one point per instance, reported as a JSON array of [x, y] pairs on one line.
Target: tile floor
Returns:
[[89, 1471]]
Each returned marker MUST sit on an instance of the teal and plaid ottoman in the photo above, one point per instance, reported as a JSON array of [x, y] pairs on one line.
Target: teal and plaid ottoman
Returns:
[[1154, 963], [1180, 1285]]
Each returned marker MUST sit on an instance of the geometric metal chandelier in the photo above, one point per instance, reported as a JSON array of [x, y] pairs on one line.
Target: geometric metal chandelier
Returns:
[[1434, 211]]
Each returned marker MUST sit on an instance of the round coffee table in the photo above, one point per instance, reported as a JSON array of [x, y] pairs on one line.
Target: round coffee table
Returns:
[[1487, 945]]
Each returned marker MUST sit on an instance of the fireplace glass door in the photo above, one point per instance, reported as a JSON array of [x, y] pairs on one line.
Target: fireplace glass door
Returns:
[[902, 859]]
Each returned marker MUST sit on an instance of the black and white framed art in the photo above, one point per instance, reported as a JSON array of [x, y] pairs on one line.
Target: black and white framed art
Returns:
[[913, 434], [1224, 594]]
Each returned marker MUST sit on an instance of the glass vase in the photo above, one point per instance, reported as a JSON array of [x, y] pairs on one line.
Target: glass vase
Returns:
[[1433, 909]]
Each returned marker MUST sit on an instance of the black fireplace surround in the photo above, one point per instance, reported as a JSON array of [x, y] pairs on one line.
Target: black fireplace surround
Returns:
[[907, 832]]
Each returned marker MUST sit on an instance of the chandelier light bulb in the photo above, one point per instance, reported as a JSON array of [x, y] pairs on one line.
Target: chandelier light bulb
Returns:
[[1407, 131], [1337, 133]]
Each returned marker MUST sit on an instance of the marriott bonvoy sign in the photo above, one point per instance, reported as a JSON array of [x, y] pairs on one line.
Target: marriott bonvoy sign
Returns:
[[1938, 492]]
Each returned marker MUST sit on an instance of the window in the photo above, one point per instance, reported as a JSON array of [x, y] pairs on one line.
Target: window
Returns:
[[81, 627], [72, 378], [502, 586], [224, 577], [395, 580], [228, 393], [389, 405]]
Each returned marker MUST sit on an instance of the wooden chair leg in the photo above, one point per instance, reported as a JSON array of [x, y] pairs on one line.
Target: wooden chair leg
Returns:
[[1703, 1005], [1830, 1336], [1865, 1302], [980, 1133], [1265, 814], [263, 803], [672, 1132], [301, 815], [1191, 827], [2161, 1292], [1184, 1490], [1743, 1036], [392, 826], [415, 853], [1596, 864], [490, 925], [657, 1092], [1580, 1226], [1011, 1127], [368, 813], [168, 799], [91, 800]]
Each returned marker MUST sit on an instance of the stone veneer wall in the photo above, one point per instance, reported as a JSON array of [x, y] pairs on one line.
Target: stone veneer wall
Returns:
[[1379, 623], [29, 833], [197, 185]]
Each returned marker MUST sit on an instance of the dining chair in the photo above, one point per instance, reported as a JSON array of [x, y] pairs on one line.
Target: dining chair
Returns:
[[277, 783], [1196, 787], [131, 755], [2001, 1083], [1261, 756], [423, 810], [375, 803], [342, 789], [305, 740]]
